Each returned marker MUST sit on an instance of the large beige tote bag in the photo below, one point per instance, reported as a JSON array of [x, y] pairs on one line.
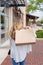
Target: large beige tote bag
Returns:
[[25, 36]]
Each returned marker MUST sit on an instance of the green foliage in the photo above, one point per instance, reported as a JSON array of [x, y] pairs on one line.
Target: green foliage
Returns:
[[34, 5], [32, 8], [39, 33], [41, 21], [39, 1]]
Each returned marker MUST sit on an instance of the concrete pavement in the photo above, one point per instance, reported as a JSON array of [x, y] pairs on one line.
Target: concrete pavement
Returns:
[[4, 51]]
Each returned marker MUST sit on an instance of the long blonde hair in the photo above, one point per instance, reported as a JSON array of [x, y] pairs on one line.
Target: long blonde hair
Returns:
[[12, 32], [17, 25]]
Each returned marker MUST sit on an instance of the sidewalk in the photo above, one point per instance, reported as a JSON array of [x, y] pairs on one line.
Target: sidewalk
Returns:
[[33, 58], [4, 51]]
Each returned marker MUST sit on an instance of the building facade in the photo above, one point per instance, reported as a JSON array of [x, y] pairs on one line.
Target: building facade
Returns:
[[4, 23], [7, 17]]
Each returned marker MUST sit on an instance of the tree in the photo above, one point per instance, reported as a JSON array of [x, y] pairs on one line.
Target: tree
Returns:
[[34, 5]]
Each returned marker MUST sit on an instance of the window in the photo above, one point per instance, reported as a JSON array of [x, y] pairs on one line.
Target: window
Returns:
[[0, 3], [4, 24], [2, 27], [2, 21], [2, 36]]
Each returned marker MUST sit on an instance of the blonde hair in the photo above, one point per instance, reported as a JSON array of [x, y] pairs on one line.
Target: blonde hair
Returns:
[[12, 32], [17, 25]]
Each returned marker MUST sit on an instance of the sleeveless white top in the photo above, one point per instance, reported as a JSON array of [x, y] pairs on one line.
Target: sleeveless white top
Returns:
[[19, 53]]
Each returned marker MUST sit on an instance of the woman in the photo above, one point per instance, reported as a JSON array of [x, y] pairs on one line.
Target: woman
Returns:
[[18, 53]]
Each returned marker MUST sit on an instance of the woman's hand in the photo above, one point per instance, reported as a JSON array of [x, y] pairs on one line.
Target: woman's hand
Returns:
[[19, 27], [26, 27]]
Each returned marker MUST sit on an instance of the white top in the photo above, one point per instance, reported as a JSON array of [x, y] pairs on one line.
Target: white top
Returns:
[[18, 53]]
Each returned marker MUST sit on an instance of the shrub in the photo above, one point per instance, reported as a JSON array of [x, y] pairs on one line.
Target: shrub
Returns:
[[39, 33], [41, 21]]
